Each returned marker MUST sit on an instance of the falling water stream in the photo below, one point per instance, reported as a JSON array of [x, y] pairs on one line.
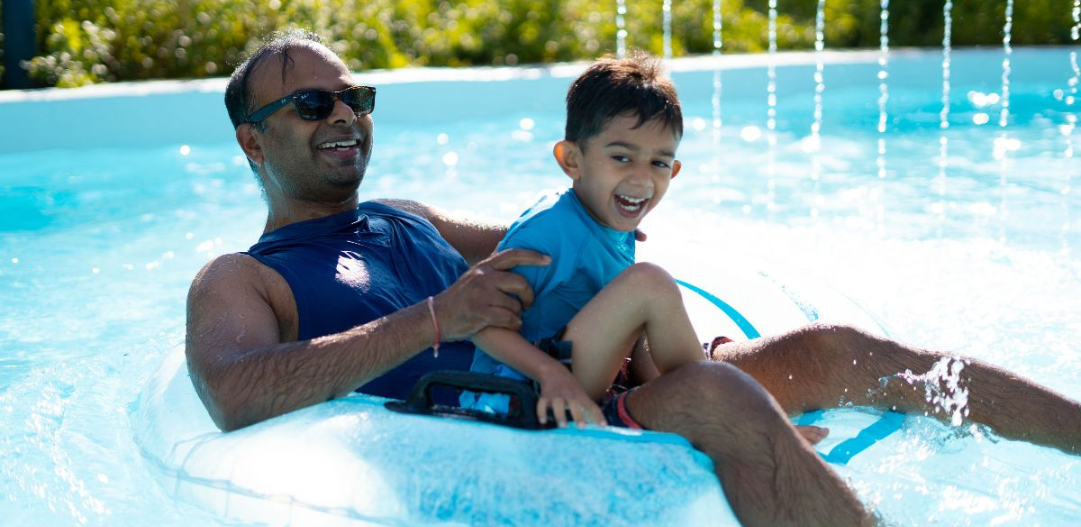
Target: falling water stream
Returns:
[[1071, 124], [771, 113], [883, 115], [666, 8], [815, 144], [1003, 144], [717, 85], [621, 28], [944, 114]]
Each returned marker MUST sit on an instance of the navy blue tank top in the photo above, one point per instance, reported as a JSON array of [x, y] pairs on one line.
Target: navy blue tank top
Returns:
[[354, 267]]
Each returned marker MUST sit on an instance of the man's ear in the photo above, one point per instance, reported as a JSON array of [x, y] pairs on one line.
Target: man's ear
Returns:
[[245, 137], [569, 157], [676, 165]]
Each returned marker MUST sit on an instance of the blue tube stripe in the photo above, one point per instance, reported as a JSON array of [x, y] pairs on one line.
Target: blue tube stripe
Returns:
[[844, 451], [741, 321], [889, 423], [841, 454]]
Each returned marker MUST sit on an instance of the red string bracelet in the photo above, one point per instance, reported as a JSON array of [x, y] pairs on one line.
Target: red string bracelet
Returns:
[[435, 325]]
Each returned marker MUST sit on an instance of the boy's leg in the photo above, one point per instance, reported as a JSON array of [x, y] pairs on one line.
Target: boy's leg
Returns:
[[642, 298]]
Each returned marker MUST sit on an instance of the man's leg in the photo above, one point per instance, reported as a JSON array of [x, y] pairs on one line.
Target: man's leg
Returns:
[[769, 475], [823, 366]]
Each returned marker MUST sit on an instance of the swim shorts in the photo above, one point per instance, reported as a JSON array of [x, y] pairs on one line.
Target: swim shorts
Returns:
[[617, 414], [614, 405]]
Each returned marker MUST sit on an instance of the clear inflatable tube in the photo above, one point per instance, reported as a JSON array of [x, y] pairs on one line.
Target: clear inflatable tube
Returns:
[[352, 462]]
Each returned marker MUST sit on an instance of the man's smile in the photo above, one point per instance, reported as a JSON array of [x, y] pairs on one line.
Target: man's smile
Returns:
[[338, 144], [341, 147]]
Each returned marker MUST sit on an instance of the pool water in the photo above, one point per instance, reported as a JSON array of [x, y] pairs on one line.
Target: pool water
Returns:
[[112, 198]]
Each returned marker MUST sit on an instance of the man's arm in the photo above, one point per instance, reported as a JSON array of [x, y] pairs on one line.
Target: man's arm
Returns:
[[247, 367], [473, 238]]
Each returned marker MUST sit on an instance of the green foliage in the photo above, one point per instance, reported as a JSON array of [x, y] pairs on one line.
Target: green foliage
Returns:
[[89, 41]]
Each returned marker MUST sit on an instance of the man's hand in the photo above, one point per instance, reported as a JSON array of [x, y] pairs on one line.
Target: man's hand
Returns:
[[488, 294], [562, 393]]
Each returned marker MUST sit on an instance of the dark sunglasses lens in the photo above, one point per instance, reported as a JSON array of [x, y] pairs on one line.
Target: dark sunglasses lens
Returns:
[[313, 105], [360, 99]]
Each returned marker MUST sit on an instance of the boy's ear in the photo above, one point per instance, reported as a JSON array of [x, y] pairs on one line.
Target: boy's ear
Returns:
[[676, 165], [245, 137], [569, 157]]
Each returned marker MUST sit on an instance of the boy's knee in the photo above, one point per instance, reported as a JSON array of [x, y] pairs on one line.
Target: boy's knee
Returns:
[[650, 278]]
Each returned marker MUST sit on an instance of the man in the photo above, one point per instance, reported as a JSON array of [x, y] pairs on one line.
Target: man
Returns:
[[266, 336]]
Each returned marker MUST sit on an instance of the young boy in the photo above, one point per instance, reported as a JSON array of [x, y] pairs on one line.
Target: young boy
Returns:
[[623, 126]]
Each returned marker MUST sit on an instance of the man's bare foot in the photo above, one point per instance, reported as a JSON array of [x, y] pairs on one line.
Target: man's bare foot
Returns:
[[812, 434]]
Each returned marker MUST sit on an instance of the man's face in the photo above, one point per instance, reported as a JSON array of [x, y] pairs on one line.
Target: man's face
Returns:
[[321, 160], [624, 171]]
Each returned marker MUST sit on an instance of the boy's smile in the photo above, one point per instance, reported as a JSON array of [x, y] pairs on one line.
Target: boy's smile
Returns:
[[621, 173]]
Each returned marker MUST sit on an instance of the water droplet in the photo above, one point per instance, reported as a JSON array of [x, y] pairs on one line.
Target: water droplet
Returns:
[[750, 133]]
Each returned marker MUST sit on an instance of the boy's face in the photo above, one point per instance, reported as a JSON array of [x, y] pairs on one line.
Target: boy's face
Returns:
[[621, 173]]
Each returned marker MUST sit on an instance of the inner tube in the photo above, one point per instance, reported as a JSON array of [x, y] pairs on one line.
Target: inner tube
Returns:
[[352, 462]]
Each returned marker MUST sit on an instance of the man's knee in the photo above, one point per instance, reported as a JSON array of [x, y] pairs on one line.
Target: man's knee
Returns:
[[703, 391], [826, 344], [826, 338]]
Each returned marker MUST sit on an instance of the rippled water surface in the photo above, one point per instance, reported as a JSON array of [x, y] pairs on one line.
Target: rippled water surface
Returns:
[[99, 244]]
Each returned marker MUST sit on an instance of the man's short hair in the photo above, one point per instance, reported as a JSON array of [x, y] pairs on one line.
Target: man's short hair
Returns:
[[238, 97], [612, 87]]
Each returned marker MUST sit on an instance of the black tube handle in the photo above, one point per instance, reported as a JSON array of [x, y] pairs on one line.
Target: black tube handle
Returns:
[[523, 414]]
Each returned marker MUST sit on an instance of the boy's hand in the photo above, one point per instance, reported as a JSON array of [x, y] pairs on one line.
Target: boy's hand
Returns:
[[561, 392]]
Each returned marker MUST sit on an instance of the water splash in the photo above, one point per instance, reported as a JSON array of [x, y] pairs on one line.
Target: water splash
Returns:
[[621, 28], [883, 98], [815, 145], [771, 113], [943, 389], [1003, 143], [944, 114], [666, 9]]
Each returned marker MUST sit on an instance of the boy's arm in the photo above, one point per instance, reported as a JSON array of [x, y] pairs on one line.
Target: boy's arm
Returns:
[[560, 390]]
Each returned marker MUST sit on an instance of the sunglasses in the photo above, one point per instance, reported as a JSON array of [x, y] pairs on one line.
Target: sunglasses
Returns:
[[314, 105]]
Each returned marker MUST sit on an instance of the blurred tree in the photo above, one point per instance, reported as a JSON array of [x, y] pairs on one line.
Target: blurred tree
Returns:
[[88, 41]]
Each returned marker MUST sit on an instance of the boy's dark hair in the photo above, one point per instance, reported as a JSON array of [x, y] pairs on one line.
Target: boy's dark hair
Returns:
[[611, 87], [238, 98]]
